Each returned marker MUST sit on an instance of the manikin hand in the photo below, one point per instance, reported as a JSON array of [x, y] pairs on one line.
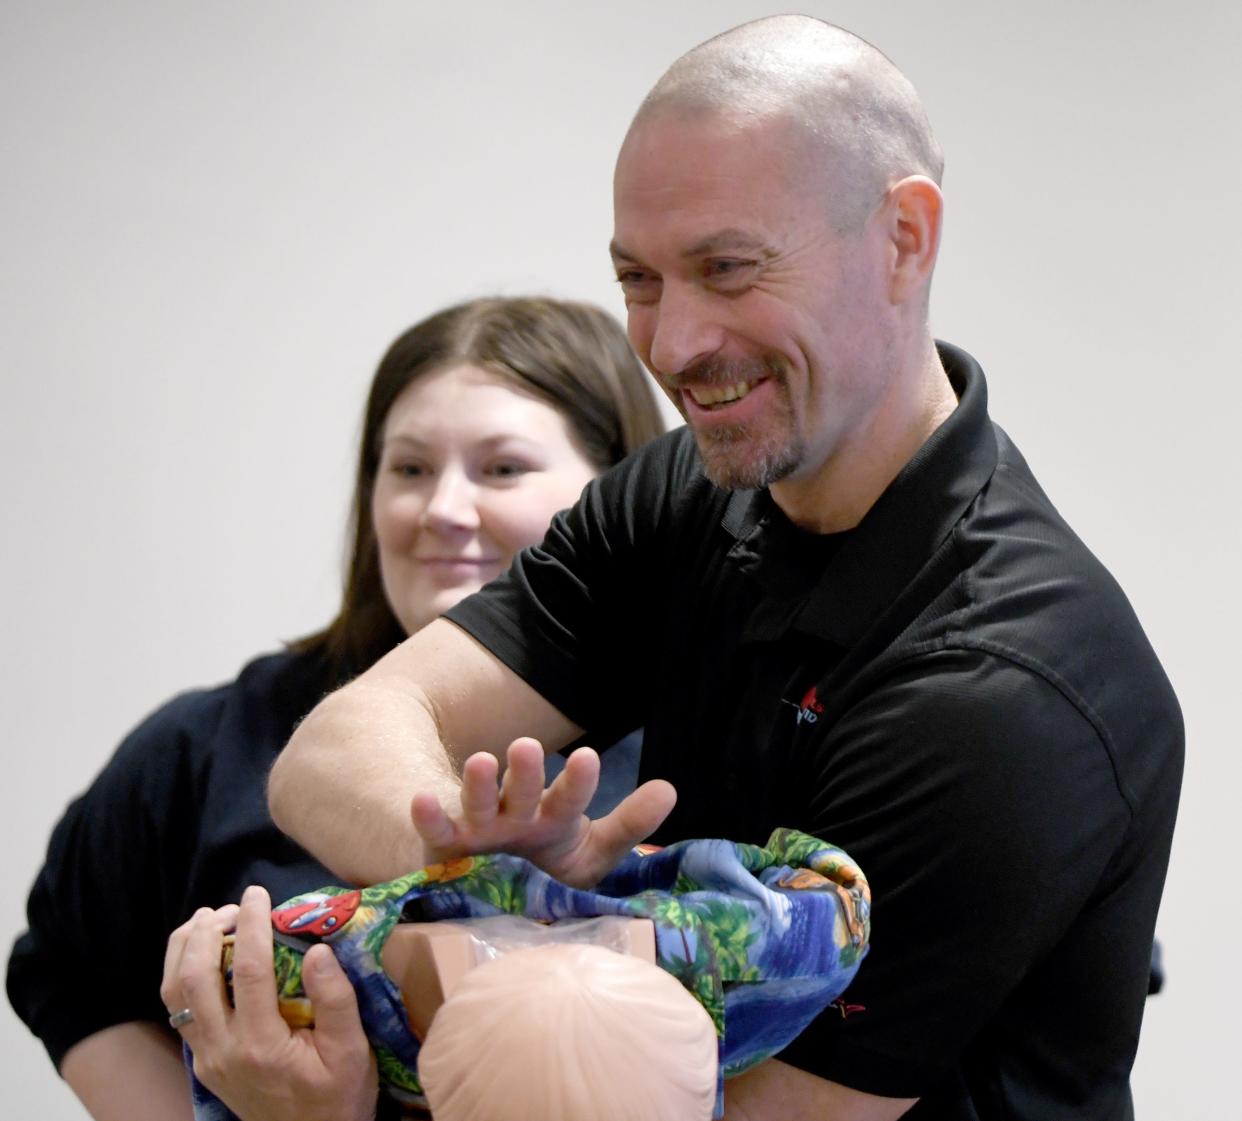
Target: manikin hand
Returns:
[[247, 1055], [548, 827]]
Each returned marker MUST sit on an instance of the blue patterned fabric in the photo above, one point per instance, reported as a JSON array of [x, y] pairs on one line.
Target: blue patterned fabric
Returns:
[[764, 937]]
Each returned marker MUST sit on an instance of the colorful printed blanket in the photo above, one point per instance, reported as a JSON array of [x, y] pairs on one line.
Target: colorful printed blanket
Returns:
[[765, 938]]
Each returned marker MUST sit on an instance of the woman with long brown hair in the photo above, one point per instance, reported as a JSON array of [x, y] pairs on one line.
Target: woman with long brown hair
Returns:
[[482, 421]]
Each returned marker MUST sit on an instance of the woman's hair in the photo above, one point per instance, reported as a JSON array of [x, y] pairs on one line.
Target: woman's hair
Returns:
[[573, 356], [569, 1032]]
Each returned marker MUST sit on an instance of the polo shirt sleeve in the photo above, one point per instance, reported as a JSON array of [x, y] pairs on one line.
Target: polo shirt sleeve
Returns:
[[93, 954], [571, 616], [984, 808]]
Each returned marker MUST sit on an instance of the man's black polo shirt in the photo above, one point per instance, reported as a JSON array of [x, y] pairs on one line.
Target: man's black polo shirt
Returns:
[[956, 692]]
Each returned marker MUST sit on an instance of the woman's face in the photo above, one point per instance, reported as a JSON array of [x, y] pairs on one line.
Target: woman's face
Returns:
[[471, 470]]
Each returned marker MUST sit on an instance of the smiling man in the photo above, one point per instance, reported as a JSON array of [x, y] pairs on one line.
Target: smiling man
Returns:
[[763, 296], [836, 600]]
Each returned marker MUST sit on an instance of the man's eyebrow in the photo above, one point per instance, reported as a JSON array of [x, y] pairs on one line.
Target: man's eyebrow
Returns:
[[727, 240], [618, 253], [730, 239]]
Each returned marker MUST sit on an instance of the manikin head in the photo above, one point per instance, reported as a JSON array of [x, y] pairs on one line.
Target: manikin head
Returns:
[[570, 1032], [777, 215]]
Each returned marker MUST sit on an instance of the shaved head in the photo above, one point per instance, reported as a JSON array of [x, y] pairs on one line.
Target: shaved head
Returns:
[[776, 219], [865, 123]]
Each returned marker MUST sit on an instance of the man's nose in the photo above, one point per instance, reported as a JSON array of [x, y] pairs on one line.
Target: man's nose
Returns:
[[453, 503], [687, 329]]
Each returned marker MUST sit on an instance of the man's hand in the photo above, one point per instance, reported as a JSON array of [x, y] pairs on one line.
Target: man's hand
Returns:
[[247, 1055], [548, 827]]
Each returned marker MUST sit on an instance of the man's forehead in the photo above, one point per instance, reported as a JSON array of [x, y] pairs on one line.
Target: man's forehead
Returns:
[[719, 168], [662, 135]]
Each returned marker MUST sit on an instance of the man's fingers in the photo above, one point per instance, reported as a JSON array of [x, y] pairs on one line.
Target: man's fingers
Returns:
[[634, 820], [566, 799], [434, 826], [338, 1035], [523, 782], [480, 796]]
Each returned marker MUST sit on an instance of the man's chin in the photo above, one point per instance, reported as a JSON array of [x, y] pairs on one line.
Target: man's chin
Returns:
[[731, 461]]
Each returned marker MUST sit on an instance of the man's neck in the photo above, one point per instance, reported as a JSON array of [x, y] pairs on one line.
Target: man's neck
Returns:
[[836, 497]]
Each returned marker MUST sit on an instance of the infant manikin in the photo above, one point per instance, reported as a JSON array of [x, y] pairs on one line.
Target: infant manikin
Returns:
[[716, 934]]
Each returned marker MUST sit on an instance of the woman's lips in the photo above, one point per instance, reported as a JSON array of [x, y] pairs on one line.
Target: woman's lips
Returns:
[[451, 572], [478, 562], [461, 569]]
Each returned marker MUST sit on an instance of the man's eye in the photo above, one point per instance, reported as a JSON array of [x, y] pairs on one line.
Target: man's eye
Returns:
[[725, 267], [638, 286]]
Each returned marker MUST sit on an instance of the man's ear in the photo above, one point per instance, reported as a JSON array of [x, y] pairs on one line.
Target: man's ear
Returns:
[[913, 211]]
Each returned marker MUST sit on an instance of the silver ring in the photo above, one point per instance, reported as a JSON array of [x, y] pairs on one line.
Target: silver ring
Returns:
[[178, 1020]]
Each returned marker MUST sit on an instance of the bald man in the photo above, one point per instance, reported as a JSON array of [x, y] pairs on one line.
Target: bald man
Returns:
[[837, 600]]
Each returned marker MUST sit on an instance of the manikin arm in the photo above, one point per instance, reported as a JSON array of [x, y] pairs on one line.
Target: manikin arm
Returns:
[[427, 961], [345, 786]]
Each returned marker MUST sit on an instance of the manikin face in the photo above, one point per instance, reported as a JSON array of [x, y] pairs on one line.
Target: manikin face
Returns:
[[471, 470], [763, 323]]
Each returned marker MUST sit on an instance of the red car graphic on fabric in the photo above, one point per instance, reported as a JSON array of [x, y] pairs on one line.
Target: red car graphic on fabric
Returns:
[[317, 917]]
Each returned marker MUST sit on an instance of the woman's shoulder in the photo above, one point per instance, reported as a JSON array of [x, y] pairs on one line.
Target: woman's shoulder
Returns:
[[296, 678], [269, 695]]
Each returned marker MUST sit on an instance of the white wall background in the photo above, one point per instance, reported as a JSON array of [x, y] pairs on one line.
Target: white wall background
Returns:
[[215, 217]]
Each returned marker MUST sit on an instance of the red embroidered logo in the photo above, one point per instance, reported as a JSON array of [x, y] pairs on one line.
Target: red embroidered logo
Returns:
[[808, 708]]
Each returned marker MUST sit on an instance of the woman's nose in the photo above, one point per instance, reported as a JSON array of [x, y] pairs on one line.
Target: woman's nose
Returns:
[[452, 504]]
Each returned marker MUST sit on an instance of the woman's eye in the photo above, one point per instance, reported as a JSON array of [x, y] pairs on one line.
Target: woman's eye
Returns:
[[508, 469], [409, 470]]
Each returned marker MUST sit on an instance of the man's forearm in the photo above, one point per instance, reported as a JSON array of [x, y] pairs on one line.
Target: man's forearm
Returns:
[[342, 787]]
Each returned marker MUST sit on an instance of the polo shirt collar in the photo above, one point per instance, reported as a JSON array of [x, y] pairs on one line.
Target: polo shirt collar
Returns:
[[895, 539]]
